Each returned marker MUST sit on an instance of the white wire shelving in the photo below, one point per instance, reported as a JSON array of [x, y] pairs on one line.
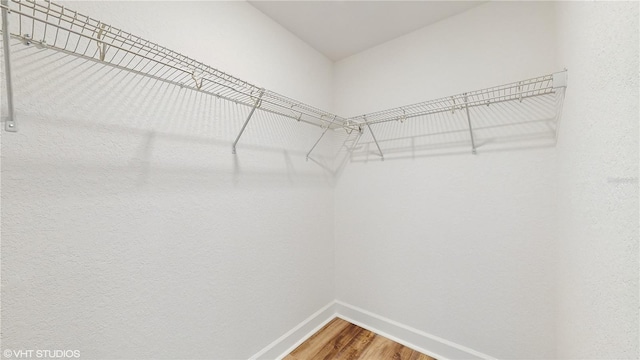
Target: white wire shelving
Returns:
[[45, 24], [546, 85], [53, 26]]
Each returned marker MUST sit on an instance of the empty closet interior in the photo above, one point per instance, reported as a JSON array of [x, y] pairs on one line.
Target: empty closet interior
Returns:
[[220, 180]]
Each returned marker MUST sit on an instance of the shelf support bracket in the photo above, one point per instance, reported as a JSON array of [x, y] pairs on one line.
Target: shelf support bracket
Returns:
[[198, 83], [320, 138], [10, 121], [253, 109], [102, 46], [374, 138], [473, 143]]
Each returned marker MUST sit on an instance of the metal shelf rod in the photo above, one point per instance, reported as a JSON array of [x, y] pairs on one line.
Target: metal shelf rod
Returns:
[[320, 138], [374, 138], [10, 122], [244, 126], [473, 143]]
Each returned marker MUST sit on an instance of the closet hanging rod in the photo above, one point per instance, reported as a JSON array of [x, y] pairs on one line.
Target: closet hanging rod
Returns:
[[53, 26]]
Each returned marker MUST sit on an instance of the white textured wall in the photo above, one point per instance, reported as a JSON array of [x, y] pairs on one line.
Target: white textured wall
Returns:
[[128, 228], [459, 246], [598, 181]]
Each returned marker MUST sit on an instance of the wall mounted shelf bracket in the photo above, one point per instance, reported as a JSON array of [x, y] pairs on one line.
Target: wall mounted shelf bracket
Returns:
[[374, 138], [473, 143], [322, 135], [10, 119], [253, 109]]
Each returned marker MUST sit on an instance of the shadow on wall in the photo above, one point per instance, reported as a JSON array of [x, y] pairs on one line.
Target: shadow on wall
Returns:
[[506, 126], [138, 124]]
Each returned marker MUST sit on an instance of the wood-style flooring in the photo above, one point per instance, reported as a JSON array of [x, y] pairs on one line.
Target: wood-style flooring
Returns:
[[343, 340]]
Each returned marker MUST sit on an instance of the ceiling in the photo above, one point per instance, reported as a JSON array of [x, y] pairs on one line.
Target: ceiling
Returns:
[[339, 29]]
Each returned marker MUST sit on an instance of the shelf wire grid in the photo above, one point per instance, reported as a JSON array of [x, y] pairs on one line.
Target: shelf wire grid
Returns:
[[46, 24], [516, 91]]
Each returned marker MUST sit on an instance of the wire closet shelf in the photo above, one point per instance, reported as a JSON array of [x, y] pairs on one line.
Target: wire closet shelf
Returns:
[[45, 24], [54, 26], [516, 91]]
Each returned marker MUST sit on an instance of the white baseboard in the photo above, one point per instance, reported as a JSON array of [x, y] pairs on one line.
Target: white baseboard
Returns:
[[421, 341], [296, 336]]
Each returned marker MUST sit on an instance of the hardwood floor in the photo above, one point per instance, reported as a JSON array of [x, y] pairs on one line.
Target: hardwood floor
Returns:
[[343, 340]]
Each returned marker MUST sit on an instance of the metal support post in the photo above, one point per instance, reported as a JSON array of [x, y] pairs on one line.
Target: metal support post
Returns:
[[374, 138], [255, 106], [320, 138], [466, 106], [10, 121]]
